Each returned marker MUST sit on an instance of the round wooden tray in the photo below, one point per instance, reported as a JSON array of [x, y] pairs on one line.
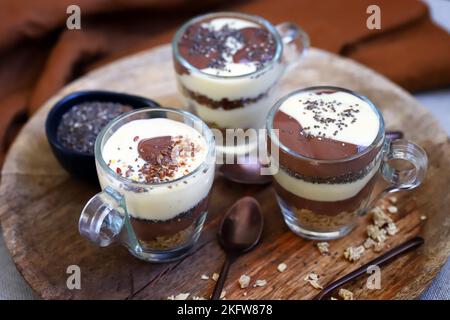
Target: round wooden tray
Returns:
[[40, 205]]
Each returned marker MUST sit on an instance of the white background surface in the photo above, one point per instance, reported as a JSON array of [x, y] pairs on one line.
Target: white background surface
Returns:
[[12, 285]]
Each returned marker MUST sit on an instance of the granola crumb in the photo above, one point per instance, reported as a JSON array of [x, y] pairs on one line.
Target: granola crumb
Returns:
[[198, 298], [215, 276], [353, 254], [313, 279], [281, 267], [333, 298], [378, 247], [391, 229], [369, 243], [379, 217], [222, 295], [260, 283], [346, 294], [423, 217], [244, 281], [204, 277], [392, 199], [392, 209], [181, 296], [376, 233], [324, 248]]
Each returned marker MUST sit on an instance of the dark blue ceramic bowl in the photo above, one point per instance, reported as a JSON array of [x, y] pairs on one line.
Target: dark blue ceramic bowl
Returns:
[[79, 164]]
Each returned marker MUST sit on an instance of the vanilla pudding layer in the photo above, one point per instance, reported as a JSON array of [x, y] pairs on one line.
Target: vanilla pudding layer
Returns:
[[232, 88], [325, 192], [156, 201], [251, 116]]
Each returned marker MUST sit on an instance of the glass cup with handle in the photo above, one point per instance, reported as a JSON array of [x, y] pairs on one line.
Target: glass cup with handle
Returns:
[[332, 147], [157, 220], [228, 67]]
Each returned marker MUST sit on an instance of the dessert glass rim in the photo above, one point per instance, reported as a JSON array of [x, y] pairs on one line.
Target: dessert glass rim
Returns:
[[206, 133], [376, 142], [254, 18]]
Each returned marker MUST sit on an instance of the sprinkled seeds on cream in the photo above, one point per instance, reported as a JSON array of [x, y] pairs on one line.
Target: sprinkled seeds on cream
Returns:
[[154, 150]]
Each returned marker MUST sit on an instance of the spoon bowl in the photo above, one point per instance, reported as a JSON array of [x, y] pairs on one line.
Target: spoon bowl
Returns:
[[239, 232], [246, 170], [245, 173], [241, 227]]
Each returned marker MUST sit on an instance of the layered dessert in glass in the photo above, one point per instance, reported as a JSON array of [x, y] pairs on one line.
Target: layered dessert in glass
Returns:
[[227, 66], [330, 143], [164, 171]]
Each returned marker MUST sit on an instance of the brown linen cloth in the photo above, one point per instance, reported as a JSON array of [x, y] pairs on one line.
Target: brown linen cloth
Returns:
[[38, 55]]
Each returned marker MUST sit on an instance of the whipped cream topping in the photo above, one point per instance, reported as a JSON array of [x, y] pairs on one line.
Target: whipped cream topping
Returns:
[[336, 115], [154, 150]]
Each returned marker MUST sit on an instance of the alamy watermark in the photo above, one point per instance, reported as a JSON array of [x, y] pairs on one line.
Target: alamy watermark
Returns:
[[374, 20], [374, 280], [248, 147], [239, 146], [73, 21], [73, 281]]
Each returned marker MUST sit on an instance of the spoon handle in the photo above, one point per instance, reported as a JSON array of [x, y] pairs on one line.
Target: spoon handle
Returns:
[[388, 256], [394, 135], [222, 277]]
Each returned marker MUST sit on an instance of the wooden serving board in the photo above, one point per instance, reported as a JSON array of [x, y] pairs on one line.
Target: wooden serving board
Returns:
[[40, 205]]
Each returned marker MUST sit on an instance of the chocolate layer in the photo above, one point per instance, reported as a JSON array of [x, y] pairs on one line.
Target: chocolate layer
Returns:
[[148, 230], [348, 177], [223, 103], [152, 149], [325, 207], [292, 135]]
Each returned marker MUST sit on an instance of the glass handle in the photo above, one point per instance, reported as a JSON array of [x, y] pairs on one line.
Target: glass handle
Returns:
[[102, 218], [295, 42], [408, 177]]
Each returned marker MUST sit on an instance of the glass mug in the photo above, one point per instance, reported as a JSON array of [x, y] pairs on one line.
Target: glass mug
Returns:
[[115, 214], [322, 199], [239, 101]]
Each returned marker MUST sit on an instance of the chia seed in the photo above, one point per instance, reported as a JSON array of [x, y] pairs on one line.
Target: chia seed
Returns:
[[80, 125]]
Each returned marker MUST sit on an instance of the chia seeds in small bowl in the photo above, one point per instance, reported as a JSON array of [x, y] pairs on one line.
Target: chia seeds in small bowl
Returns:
[[80, 125], [74, 122]]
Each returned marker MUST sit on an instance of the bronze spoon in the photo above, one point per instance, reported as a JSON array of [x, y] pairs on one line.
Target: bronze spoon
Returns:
[[249, 173], [246, 173], [239, 232], [384, 258]]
